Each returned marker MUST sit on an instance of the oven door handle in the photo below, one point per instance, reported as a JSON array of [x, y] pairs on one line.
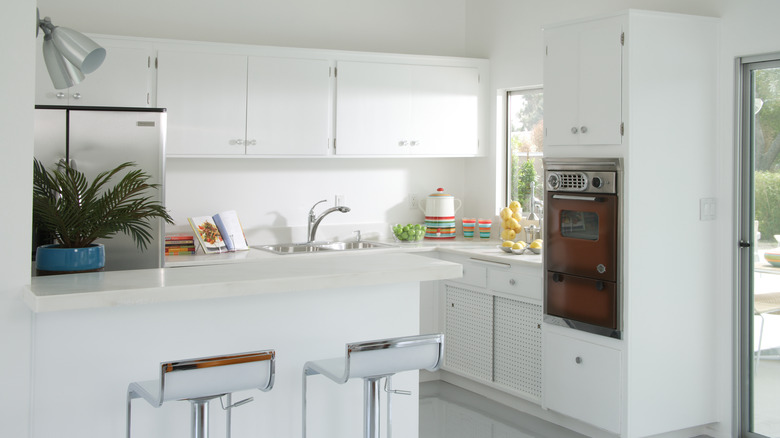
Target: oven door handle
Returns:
[[578, 198]]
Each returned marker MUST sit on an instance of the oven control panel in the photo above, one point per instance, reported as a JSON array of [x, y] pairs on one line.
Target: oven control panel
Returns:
[[581, 181]]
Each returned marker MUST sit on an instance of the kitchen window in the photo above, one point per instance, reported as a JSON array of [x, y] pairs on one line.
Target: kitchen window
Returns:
[[524, 144]]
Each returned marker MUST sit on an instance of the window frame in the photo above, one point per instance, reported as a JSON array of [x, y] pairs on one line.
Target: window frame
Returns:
[[508, 93]]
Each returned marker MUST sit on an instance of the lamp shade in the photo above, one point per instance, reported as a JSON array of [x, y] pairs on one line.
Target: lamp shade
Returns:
[[63, 74], [81, 51]]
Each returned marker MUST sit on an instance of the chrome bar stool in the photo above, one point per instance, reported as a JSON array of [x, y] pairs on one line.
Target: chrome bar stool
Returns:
[[201, 380], [373, 361]]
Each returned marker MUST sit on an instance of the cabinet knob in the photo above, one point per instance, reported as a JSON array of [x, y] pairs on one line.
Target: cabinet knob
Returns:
[[239, 141], [512, 281], [415, 143], [574, 130], [584, 129], [403, 143], [251, 142], [77, 95], [578, 360], [60, 95]]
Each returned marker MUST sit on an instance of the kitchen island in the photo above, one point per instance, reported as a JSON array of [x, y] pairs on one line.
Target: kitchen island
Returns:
[[95, 333]]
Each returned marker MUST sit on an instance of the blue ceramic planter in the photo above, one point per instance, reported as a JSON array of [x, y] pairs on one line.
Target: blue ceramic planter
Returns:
[[52, 258]]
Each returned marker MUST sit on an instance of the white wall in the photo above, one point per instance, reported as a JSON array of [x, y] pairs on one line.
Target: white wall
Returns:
[[273, 196], [16, 133]]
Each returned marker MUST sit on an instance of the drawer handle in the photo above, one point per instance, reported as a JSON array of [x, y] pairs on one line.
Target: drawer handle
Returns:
[[512, 281], [557, 277], [578, 360]]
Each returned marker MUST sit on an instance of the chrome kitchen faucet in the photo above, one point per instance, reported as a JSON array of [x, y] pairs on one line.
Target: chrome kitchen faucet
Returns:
[[314, 221]]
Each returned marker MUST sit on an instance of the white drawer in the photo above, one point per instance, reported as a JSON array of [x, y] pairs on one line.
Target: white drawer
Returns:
[[515, 283], [473, 273]]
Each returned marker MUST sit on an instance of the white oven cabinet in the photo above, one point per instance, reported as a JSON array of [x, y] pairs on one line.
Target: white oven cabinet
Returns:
[[405, 109], [492, 325], [669, 107], [123, 80], [582, 380], [222, 104], [582, 83]]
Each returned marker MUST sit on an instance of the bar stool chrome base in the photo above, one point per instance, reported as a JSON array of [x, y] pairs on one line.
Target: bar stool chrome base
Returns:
[[199, 381], [373, 361]]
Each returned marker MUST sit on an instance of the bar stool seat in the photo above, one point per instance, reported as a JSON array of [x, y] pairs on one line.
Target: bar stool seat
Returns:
[[373, 361], [203, 379]]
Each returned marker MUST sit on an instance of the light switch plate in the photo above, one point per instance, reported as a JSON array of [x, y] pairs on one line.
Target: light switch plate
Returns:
[[707, 211]]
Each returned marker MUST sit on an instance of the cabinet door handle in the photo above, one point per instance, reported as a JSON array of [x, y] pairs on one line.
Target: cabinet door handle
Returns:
[[239, 141], [578, 360], [574, 130], [77, 95], [512, 282], [60, 95], [557, 277], [584, 129], [403, 143], [415, 143], [251, 142]]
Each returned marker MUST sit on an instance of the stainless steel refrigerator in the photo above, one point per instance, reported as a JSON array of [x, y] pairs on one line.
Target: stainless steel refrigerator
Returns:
[[96, 139]]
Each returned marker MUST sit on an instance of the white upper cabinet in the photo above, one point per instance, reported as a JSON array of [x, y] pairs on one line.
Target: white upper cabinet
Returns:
[[288, 106], [226, 104], [123, 80], [402, 109], [205, 95], [583, 83]]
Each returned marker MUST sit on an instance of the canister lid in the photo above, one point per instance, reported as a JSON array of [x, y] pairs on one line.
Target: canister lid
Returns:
[[440, 193]]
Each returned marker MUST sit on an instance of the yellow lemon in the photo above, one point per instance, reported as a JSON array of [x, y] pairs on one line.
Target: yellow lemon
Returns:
[[506, 213], [513, 224], [539, 240], [507, 243], [514, 206], [508, 234], [516, 216], [518, 245], [535, 244]]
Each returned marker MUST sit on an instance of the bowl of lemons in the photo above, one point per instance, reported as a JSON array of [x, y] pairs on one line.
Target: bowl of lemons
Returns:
[[536, 246], [512, 247]]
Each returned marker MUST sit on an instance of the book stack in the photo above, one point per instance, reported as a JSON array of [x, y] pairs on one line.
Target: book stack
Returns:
[[179, 244]]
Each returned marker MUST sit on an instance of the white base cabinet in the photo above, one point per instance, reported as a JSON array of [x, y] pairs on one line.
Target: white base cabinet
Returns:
[[492, 336], [582, 380]]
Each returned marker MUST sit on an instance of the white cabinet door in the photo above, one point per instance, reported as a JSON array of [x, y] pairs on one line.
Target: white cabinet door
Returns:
[[123, 80], [468, 332], [205, 95], [373, 107], [517, 358], [444, 110], [582, 380], [399, 109], [583, 83], [288, 105]]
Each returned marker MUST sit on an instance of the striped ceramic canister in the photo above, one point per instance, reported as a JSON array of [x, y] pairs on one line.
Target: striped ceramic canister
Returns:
[[439, 212]]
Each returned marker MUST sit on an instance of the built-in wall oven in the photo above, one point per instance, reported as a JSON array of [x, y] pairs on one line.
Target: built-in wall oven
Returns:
[[582, 245]]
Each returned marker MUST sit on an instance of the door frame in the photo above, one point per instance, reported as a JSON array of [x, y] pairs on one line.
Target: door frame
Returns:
[[744, 162]]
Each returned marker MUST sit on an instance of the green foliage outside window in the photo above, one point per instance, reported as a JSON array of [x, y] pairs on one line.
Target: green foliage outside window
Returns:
[[767, 199]]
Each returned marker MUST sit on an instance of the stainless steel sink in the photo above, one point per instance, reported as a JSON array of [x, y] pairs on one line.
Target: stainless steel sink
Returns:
[[299, 248]]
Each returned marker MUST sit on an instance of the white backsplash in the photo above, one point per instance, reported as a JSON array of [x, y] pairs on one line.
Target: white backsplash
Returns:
[[273, 195]]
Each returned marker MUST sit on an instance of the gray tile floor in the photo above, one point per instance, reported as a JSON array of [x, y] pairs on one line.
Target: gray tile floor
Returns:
[[447, 411]]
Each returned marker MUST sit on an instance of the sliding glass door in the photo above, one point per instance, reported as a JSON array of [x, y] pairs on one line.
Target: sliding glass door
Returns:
[[760, 248]]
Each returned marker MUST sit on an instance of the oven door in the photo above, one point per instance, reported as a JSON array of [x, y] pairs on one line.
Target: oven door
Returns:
[[582, 303], [581, 235]]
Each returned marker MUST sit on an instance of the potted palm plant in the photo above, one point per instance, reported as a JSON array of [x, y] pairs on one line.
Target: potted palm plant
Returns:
[[76, 212]]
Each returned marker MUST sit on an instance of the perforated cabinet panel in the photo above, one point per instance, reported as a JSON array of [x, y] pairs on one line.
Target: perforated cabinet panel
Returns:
[[468, 346], [517, 358]]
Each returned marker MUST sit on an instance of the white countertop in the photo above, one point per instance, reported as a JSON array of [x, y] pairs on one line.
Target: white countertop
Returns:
[[256, 272]]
